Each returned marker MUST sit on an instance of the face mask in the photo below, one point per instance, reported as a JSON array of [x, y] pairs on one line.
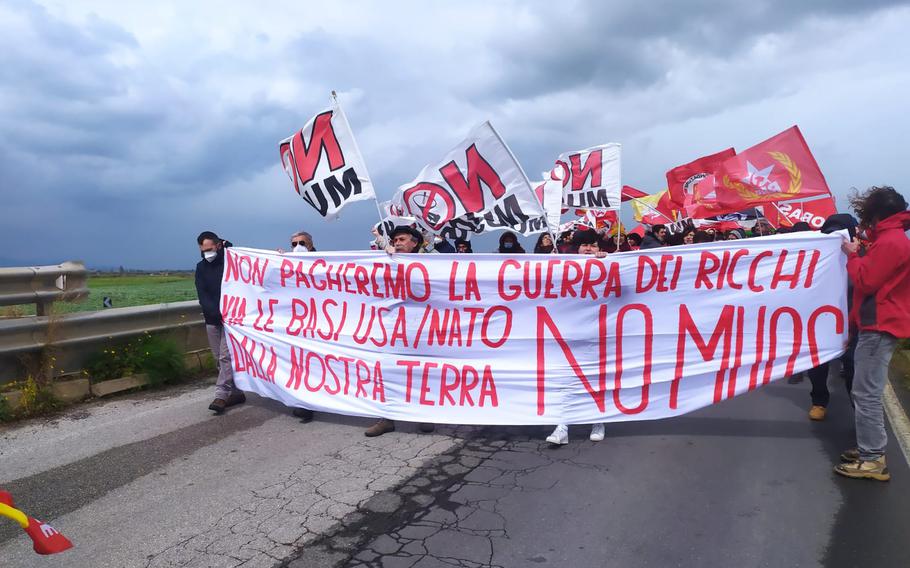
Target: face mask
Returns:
[[508, 245], [210, 255], [301, 248]]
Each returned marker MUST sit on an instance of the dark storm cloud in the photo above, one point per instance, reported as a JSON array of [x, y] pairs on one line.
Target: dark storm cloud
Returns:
[[629, 45]]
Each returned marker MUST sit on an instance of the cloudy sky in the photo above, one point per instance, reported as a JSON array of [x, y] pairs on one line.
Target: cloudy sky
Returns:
[[126, 128]]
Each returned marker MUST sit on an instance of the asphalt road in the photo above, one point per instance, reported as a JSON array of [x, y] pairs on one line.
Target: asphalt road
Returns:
[[154, 480]]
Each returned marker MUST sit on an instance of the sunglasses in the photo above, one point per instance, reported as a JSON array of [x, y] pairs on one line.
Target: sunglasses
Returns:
[[302, 243]]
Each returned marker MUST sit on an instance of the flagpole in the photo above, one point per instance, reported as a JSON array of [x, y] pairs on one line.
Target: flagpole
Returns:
[[528, 182], [365, 170]]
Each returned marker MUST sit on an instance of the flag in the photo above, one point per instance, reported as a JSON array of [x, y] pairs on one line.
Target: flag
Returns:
[[629, 193], [325, 165], [813, 212], [779, 169], [703, 203], [681, 180], [392, 216], [549, 194], [476, 187], [654, 209], [45, 538], [591, 179]]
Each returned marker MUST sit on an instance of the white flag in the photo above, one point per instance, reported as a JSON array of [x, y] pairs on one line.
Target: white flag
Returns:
[[549, 193], [591, 179], [478, 186], [325, 165]]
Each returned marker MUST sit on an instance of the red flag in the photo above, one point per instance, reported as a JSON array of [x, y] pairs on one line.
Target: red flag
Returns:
[[702, 202], [779, 169], [629, 192], [812, 212], [681, 180]]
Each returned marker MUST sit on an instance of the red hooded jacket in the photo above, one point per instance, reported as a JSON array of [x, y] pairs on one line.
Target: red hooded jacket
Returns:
[[881, 278]]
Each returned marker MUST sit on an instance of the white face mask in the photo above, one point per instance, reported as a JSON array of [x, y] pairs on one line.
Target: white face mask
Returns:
[[300, 248], [210, 255]]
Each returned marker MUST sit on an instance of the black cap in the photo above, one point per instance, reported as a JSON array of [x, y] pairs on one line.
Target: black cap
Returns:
[[585, 237], [407, 230], [840, 221]]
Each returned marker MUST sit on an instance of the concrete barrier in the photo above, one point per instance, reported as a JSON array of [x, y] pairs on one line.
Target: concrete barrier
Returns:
[[73, 338]]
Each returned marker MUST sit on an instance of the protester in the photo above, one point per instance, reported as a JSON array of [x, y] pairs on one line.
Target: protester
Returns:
[[761, 228], [463, 246], [881, 311], [585, 242], [544, 244], [508, 244], [655, 238], [617, 243], [564, 244], [301, 241], [703, 237], [634, 240], [818, 376], [405, 240], [209, 273], [736, 234]]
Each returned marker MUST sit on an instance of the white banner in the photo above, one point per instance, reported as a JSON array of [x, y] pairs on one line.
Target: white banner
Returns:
[[533, 339], [592, 178], [325, 165], [477, 187]]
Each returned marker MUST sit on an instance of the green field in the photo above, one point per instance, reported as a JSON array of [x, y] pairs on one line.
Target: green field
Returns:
[[127, 290]]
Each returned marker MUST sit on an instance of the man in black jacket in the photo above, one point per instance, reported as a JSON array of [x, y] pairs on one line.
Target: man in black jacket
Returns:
[[209, 273]]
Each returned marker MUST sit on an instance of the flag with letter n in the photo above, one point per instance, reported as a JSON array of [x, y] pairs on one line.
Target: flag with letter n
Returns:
[[325, 165], [478, 186], [591, 179]]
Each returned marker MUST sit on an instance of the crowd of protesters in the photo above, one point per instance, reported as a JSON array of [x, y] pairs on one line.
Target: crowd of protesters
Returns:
[[878, 266]]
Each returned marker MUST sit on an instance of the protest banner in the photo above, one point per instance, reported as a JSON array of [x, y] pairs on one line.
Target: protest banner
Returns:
[[592, 178], [477, 187], [532, 339]]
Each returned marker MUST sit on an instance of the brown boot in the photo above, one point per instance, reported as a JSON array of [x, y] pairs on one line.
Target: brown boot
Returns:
[[218, 405], [817, 412], [381, 427]]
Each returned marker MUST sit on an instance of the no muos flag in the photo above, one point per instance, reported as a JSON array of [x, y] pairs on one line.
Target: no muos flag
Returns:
[[591, 179], [325, 165], [476, 187]]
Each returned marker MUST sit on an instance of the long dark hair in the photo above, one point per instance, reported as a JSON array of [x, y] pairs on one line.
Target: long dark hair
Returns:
[[539, 248], [876, 203]]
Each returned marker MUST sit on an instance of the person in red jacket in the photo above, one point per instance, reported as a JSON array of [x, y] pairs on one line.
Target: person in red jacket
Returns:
[[880, 274]]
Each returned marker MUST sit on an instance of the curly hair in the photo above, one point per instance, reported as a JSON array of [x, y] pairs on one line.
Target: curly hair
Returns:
[[876, 203]]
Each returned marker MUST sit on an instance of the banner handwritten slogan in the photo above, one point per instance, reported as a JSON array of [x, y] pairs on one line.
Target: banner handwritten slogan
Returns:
[[532, 339]]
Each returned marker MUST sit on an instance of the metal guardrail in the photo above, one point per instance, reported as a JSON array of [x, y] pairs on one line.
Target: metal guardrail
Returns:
[[76, 337], [43, 285]]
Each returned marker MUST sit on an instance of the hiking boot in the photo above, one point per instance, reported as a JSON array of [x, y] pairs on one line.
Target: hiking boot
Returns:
[[817, 412], [236, 397], [861, 469], [850, 455], [305, 415], [597, 432], [218, 405], [427, 428], [559, 436], [381, 427]]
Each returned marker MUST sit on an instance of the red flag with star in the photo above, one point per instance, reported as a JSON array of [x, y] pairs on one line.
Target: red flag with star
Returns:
[[779, 169]]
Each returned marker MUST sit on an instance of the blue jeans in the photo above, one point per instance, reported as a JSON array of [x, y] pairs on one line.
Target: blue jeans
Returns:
[[873, 355]]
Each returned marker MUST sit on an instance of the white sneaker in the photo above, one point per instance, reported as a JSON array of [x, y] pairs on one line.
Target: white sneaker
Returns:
[[597, 432], [560, 435]]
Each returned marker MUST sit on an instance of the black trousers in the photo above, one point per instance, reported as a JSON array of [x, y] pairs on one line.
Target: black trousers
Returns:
[[819, 377]]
